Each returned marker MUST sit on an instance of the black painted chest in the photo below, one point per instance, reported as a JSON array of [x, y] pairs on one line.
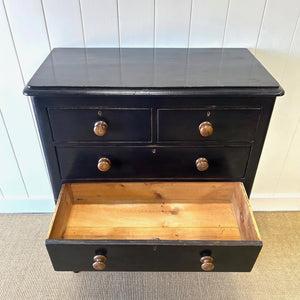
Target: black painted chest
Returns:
[[149, 151]]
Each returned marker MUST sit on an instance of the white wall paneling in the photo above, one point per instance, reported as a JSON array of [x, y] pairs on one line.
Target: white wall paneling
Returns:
[[29, 32], [276, 34], [100, 23], [18, 118], [243, 23], [289, 177], [172, 23], [273, 49], [64, 23], [208, 23], [11, 181], [29, 29], [136, 29]]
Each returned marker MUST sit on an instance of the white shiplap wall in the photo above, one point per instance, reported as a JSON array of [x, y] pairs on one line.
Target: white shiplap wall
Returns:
[[30, 29]]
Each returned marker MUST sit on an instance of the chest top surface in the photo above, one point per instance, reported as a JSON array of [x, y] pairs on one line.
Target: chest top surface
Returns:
[[149, 71]]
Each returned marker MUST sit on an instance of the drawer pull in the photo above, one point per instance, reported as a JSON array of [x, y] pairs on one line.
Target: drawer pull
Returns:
[[99, 263], [202, 164], [207, 263], [100, 128], [104, 164], [206, 129]]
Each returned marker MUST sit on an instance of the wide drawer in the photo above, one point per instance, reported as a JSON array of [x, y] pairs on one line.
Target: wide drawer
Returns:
[[198, 125], [123, 125], [153, 226], [228, 162]]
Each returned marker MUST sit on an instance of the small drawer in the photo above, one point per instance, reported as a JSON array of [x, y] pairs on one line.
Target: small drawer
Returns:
[[226, 162], [200, 125], [100, 125], [172, 226]]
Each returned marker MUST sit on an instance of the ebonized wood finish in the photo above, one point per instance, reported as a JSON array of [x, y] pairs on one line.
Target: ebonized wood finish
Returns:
[[259, 111], [153, 101], [73, 255]]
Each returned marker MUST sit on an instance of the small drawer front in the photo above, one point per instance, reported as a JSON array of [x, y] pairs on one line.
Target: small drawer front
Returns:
[[207, 125], [121, 125], [78, 256], [146, 162]]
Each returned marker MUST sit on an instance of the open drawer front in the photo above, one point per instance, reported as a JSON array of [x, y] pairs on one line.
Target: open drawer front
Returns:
[[153, 226]]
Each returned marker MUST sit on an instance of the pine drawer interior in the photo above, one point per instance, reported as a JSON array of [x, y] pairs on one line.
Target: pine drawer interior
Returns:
[[154, 211]]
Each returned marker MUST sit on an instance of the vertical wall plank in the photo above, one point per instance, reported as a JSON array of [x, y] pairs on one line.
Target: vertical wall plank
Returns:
[[243, 23], [289, 180], [276, 34], [64, 23], [208, 23], [172, 23], [11, 183], [100, 23], [17, 116], [29, 31], [273, 50], [136, 19]]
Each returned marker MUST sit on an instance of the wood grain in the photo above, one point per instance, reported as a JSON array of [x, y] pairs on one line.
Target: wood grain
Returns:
[[142, 233], [154, 210], [152, 214], [61, 213], [148, 191], [244, 214]]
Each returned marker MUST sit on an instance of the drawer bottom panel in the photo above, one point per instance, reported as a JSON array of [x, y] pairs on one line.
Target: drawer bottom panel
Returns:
[[79, 257]]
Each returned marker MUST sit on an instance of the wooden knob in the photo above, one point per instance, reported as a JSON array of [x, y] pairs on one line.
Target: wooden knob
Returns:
[[100, 128], [206, 129], [202, 164], [99, 263], [207, 263], [104, 164]]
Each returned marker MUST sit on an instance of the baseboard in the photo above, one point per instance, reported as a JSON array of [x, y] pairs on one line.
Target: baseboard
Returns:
[[29, 205], [277, 202]]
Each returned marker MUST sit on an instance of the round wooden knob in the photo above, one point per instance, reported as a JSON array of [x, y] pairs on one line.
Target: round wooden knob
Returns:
[[100, 128], [202, 164], [206, 129], [104, 164], [207, 263], [99, 263]]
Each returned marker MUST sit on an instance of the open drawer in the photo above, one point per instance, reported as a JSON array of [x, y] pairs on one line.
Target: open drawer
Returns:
[[153, 226]]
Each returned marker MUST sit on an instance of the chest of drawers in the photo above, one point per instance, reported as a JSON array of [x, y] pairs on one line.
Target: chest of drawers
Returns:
[[151, 155]]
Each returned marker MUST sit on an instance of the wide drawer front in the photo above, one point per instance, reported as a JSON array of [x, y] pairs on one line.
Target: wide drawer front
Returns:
[[117, 124], [75, 256], [176, 226], [207, 125], [149, 162]]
